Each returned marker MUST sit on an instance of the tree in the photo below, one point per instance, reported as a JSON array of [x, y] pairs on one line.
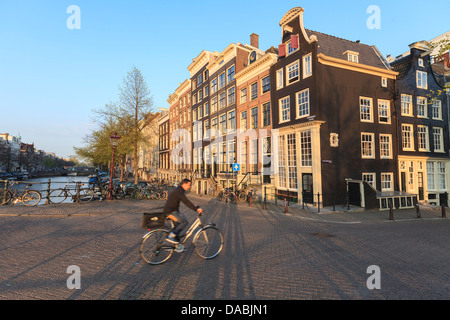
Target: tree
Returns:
[[132, 113]]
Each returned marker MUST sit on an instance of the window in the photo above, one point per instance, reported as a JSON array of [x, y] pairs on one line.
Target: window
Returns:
[[230, 74], [406, 101], [206, 89], [223, 123], [231, 154], [232, 120], [305, 148], [422, 107], [384, 111], [385, 146], [280, 79], [231, 96], [384, 82], [244, 121], [438, 139], [206, 132], [206, 109], [292, 71], [421, 80], [441, 175], [265, 85], [292, 161], [214, 127], [200, 95], [420, 62], [436, 110], [254, 156], [365, 105], [199, 80], [307, 66], [282, 162], [222, 80], [266, 114], [422, 137], [285, 114], [222, 101], [370, 179], [243, 160], [254, 90], [214, 105], [303, 103], [386, 181], [254, 118], [290, 48], [353, 57], [200, 112], [430, 176], [244, 95], [214, 85], [367, 145], [407, 137]]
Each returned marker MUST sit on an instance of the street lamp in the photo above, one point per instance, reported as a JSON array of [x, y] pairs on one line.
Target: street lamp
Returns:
[[114, 140]]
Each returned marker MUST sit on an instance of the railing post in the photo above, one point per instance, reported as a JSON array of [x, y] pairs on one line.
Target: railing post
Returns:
[[444, 214], [48, 191], [318, 202], [265, 195], [418, 211], [391, 212]]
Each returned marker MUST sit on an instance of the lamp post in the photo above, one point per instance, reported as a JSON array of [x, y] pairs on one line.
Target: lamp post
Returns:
[[114, 140]]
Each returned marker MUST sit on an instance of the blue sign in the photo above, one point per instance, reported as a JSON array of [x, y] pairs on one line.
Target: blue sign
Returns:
[[236, 167]]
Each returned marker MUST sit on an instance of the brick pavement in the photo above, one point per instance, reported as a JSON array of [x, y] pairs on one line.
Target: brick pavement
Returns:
[[267, 254]]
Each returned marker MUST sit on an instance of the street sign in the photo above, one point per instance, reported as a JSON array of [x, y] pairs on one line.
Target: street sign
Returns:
[[236, 167]]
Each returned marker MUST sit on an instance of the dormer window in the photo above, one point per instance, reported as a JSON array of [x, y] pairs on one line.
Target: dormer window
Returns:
[[420, 62], [352, 56]]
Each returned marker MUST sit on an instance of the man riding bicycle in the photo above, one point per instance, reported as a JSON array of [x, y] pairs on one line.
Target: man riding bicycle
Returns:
[[172, 210]]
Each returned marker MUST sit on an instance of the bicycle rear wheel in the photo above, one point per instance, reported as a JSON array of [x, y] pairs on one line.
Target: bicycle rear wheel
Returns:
[[31, 198], [58, 195], [154, 248], [85, 195], [208, 242]]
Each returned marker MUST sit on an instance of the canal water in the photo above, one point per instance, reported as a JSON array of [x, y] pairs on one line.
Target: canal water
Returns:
[[42, 185]]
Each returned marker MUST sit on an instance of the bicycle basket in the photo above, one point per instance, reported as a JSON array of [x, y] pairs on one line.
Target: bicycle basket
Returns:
[[152, 220]]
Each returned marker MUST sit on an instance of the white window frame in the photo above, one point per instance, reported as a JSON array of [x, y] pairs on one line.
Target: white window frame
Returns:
[[288, 72], [228, 75], [280, 78], [438, 139], [301, 95], [436, 104], [384, 105], [281, 110], [422, 105], [422, 79], [423, 138], [384, 82], [384, 186], [370, 143], [383, 146], [372, 181], [411, 137], [307, 65], [243, 97], [406, 105], [363, 115]]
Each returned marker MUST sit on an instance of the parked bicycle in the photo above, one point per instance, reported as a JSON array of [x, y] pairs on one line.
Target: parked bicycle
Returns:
[[155, 249], [12, 195], [77, 194]]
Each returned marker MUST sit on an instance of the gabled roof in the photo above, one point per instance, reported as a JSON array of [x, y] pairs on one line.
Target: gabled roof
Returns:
[[402, 66], [336, 47]]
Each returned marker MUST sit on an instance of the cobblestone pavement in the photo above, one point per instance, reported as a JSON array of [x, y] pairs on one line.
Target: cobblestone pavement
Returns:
[[268, 254]]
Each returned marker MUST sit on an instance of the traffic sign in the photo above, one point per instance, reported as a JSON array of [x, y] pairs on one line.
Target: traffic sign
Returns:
[[236, 167]]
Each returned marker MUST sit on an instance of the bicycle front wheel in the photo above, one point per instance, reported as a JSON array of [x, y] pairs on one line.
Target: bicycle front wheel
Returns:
[[31, 198], [154, 248], [58, 195], [208, 242], [5, 196], [85, 195]]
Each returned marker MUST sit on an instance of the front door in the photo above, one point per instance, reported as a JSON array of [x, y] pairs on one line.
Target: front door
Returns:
[[307, 188]]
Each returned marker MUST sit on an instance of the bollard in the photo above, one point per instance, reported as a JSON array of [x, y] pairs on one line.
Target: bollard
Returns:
[[418, 212], [444, 214], [265, 195], [285, 206], [391, 212], [318, 202], [250, 200]]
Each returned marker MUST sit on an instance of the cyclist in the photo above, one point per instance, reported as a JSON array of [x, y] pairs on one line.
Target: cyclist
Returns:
[[172, 209]]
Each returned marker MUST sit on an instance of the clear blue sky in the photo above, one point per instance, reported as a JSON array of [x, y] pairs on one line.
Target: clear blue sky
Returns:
[[52, 77]]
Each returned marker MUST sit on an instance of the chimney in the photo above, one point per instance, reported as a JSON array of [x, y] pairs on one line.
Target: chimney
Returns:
[[254, 40]]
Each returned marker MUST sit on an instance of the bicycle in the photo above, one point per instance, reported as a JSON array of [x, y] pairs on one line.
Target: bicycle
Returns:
[[80, 194], [29, 198], [155, 249]]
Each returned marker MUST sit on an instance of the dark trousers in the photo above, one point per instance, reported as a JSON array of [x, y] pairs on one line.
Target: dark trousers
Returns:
[[179, 220]]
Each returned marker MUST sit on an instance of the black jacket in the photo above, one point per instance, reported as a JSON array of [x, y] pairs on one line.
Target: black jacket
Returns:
[[173, 202]]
